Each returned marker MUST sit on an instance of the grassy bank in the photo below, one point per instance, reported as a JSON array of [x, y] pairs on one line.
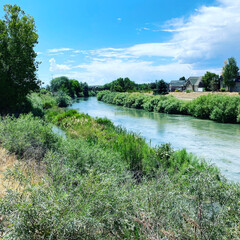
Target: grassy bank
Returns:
[[102, 182], [220, 108]]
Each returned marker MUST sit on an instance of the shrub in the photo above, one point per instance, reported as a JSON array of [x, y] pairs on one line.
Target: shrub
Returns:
[[223, 90], [63, 100], [27, 136]]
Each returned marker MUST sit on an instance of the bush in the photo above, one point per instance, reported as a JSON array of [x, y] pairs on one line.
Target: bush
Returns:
[[223, 90], [27, 136], [63, 100]]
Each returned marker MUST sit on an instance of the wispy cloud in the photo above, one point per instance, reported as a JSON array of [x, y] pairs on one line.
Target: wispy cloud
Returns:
[[210, 32], [119, 19], [54, 67], [56, 50]]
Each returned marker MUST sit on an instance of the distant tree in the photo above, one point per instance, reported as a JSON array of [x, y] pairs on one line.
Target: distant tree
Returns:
[[230, 72], [18, 63], [182, 78], [210, 81], [69, 86], [85, 89], [122, 85], [153, 85], [77, 89], [161, 87]]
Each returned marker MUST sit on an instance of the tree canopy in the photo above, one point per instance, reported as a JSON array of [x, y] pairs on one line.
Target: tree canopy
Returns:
[[71, 87], [161, 87], [230, 72], [210, 81], [18, 64]]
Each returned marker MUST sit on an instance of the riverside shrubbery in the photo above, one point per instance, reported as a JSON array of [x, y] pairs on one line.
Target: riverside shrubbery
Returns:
[[220, 108], [89, 189]]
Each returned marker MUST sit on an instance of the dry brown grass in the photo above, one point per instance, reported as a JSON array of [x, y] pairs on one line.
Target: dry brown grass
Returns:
[[9, 161], [193, 95]]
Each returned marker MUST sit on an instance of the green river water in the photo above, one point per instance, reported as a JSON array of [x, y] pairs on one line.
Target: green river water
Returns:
[[217, 143]]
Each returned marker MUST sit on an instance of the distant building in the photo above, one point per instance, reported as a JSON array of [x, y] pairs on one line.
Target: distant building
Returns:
[[195, 84], [236, 88], [177, 85]]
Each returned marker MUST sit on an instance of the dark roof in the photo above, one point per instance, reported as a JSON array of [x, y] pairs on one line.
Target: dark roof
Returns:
[[193, 80], [177, 83]]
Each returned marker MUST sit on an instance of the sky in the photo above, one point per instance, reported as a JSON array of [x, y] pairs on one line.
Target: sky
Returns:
[[98, 41]]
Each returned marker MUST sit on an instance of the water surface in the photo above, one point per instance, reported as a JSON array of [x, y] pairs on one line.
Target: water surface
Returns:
[[215, 142]]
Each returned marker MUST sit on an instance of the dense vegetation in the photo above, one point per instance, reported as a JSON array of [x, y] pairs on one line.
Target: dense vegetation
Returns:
[[126, 85], [71, 87], [18, 64], [220, 108], [101, 182]]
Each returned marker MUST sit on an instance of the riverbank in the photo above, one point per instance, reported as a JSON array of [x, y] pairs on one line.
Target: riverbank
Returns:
[[103, 182], [219, 108]]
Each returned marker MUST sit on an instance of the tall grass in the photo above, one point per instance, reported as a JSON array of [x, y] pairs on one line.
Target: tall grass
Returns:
[[101, 182]]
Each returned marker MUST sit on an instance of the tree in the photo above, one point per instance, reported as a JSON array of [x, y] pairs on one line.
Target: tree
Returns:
[[18, 64], [69, 86], [230, 72], [182, 78], [85, 89], [210, 81], [161, 87]]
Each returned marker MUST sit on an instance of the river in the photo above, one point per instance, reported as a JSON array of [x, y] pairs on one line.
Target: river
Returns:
[[215, 142]]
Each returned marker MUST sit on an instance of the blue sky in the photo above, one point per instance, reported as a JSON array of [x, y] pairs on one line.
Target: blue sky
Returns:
[[98, 41]]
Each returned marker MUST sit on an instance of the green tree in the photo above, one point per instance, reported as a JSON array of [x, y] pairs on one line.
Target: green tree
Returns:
[[18, 64], [210, 81], [182, 78], [161, 87], [230, 72], [69, 86], [85, 89]]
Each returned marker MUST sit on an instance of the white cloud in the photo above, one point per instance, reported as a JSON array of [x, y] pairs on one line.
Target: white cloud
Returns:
[[119, 19], [210, 32], [101, 71], [54, 67], [56, 50]]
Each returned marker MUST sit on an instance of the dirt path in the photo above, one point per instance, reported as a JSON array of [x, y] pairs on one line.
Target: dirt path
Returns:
[[193, 95]]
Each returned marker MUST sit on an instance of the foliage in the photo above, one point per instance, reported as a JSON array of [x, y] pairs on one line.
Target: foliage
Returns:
[[63, 100], [220, 108], [210, 81], [69, 86], [223, 89], [87, 191], [18, 66], [230, 72], [26, 136], [40, 102], [126, 85], [161, 87]]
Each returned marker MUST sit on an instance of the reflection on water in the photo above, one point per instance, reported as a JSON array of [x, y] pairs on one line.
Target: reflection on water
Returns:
[[216, 142]]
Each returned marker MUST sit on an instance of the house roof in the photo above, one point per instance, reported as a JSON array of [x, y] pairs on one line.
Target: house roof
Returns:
[[177, 83], [194, 80]]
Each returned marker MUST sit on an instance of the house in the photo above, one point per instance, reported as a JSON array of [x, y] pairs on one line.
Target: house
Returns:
[[178, 85], [195, 84], [236, 88]]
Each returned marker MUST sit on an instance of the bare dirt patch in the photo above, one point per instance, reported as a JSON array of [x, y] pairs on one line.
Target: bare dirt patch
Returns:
[[193, 95], [9, 161]]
